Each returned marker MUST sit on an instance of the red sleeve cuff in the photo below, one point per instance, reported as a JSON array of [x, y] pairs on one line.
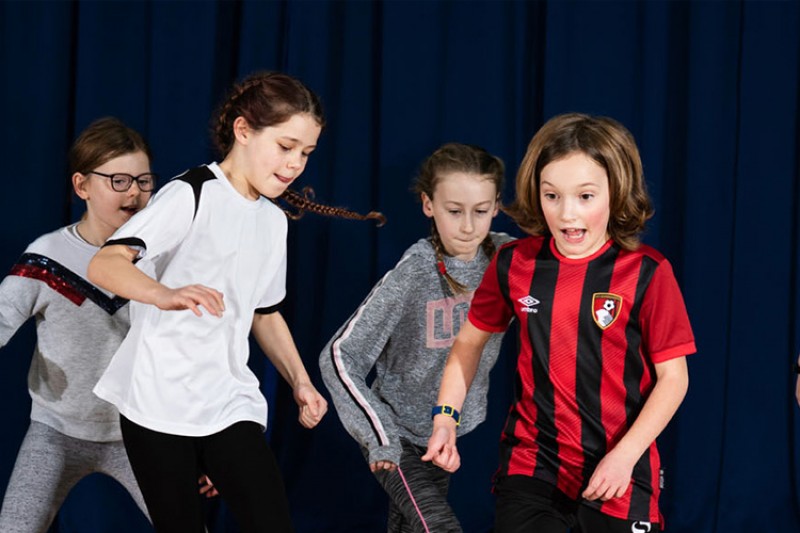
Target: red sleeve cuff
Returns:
[[676, 351]]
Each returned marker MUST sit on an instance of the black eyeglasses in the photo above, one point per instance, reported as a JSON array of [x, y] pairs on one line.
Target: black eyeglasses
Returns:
[[121, 182]]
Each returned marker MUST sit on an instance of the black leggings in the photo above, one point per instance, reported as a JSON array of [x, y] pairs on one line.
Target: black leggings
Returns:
[[525, 504], [238, 462]]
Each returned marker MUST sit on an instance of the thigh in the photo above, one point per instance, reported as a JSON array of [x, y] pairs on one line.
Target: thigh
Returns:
[[525, 504], [418, 492], [244, 470], [166, 470], [593, 521], [43, 475]]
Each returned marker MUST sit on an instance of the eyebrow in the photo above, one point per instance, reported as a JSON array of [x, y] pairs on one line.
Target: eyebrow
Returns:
[[454, 202], [587, 184]]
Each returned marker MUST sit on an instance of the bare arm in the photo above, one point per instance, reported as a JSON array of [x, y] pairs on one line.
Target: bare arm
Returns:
[[462, 364], [112, 268], [275, 339], [613, 474]]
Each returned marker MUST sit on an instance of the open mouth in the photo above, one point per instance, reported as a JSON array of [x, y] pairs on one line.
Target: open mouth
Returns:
[[573, 235]]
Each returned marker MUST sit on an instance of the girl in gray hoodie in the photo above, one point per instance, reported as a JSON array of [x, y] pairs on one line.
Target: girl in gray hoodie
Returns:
[[404, 329]]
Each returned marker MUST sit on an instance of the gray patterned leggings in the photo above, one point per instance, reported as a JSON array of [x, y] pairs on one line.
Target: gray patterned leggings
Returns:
[[418, 495], [48, 465]]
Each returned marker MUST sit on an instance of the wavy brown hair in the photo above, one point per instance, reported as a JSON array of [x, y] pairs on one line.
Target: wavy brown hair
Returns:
[[610, 145], [267, 99], [456, 157]]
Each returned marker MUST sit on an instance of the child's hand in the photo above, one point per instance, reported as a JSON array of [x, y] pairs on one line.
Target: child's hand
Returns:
[[191, 297], [312, 405], [207, 487], [611, 477], [442, 448], [377, 466]]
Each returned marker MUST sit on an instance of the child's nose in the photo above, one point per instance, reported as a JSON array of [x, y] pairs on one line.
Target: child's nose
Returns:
[[467, 224], [295, 161], [567, 210]]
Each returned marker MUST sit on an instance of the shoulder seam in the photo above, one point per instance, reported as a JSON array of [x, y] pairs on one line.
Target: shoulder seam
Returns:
[[196, 177]]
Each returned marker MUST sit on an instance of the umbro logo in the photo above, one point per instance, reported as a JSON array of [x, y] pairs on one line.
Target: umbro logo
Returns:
[[641, 527], [529, 304]]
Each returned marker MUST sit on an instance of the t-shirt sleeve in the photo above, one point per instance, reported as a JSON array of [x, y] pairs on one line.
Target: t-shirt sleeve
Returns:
[[666, 330], [489, 311], [162, 224], [275, 292]]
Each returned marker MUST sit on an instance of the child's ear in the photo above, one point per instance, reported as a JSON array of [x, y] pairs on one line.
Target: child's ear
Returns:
[[241, 130], [80, 185], [427, 205]]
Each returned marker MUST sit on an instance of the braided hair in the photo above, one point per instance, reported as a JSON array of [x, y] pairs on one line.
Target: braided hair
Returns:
[[267, 99], [456, 157]]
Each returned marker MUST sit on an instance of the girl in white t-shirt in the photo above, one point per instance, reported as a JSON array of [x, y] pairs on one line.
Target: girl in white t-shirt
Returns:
[[210, 253]]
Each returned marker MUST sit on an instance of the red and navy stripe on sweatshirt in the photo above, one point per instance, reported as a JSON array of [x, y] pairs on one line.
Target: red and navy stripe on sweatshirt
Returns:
[[580, 386], [65, 282]]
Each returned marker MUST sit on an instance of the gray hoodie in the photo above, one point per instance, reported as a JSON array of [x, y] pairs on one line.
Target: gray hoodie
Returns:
[[404, 329]]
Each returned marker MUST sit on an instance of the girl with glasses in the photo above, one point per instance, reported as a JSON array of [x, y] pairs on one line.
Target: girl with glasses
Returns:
[[79, 327]]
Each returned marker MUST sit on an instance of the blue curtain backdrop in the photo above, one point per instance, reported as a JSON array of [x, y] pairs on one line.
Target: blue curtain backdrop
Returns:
[[709, 89]]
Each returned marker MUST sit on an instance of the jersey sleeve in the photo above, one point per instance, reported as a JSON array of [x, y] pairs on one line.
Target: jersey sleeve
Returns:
[[351, 354], [489, 310], [666, 331], [162, 224]]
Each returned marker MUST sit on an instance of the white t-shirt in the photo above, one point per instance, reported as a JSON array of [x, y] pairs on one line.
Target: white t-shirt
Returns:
[[176, 372]]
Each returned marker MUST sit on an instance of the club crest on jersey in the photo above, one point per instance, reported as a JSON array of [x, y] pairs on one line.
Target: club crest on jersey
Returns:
[[606, 307]]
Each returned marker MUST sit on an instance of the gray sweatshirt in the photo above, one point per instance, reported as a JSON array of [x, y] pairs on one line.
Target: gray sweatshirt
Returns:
[[404, 329], [78, 329]]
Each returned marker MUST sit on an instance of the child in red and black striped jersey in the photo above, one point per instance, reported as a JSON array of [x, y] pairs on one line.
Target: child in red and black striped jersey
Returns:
[[603, 335]]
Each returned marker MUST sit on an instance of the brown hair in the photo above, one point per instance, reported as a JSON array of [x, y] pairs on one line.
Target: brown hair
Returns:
[[610, 145], [449, 158], [267, 99], [103, 140]]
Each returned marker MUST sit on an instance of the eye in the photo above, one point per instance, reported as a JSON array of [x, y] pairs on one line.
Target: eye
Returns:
[[121, 180], [454, 211], [285, 148], [587, 196], [549, 196], [481, 211]]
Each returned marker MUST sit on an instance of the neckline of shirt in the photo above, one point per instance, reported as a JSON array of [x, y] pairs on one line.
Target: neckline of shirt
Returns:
[[220, 175], [76, 238], [582, 260]]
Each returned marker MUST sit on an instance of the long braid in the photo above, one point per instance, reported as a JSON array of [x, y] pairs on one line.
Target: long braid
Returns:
[[304, 201], [265, 99], [438, 249]]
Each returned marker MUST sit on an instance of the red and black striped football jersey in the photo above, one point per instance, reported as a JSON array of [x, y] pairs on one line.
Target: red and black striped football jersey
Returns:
[[590, 333]]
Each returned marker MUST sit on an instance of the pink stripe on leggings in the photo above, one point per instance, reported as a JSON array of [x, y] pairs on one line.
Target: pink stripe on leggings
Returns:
[[410, 495]]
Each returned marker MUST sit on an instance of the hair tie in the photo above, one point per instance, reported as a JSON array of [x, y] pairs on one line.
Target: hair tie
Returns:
[[441, 267]]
